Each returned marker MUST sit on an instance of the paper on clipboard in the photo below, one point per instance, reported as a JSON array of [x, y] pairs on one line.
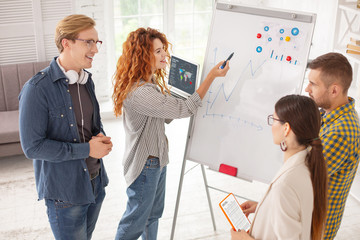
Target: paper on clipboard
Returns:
[[234, 214]]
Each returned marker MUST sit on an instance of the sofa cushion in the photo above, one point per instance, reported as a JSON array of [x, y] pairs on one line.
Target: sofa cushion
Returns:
[[12, 79], [10, 149], [9, 127]]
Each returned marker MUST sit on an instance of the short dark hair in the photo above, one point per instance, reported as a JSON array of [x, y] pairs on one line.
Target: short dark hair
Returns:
[[334, 67]]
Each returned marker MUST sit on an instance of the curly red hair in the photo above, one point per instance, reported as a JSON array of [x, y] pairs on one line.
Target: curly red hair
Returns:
[[135, 63]]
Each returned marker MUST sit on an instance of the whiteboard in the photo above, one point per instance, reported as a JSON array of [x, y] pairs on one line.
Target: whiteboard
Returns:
[[271, 49]]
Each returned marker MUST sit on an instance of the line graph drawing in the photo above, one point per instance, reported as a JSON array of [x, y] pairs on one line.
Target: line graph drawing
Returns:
[[220, 91], [252, 71], [273, 45]]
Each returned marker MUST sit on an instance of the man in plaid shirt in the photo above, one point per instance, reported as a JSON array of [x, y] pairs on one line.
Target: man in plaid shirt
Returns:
[[329, 80]]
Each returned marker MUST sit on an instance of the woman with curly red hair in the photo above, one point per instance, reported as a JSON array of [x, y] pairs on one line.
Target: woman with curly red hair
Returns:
[[142, 97]]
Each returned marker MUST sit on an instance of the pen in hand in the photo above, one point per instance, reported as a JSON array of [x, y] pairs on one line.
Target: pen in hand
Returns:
[[223, 65]]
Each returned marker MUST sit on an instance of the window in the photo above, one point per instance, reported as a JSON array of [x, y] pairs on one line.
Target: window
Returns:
[[132, 14], [192, 25], [27, 29], [186, 23]]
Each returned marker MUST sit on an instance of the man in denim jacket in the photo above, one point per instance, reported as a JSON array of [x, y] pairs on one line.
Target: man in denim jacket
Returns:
[[61, 130]]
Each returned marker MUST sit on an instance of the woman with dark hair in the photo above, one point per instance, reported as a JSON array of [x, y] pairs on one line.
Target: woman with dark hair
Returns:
[[142, 97], [294, 206]]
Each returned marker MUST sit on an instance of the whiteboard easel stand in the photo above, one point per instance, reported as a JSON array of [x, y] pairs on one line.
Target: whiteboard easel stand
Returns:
[[181, 183], [182, 175]]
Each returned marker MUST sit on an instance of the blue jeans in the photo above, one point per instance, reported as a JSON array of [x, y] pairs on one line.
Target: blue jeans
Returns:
[[70, 221], [145, 204]]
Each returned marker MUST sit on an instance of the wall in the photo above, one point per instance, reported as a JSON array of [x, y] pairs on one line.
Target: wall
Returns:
[[103, 65]]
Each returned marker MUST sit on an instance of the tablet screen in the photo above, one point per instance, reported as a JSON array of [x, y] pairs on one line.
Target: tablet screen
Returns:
[[183, 76]]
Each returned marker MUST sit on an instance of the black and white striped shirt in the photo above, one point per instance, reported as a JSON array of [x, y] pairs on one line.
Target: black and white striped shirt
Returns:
[[145, 110]]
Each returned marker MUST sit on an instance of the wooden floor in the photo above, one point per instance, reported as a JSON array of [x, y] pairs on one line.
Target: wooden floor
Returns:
[[23, 217]]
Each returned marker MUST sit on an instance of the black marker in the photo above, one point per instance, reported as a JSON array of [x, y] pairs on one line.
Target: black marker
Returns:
[[223, 65]]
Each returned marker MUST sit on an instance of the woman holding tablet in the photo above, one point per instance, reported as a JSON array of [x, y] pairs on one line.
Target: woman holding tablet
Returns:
[[142, 97], [294, 206]]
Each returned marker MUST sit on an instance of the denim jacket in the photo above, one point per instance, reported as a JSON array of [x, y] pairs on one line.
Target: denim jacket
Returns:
[[49, 136]]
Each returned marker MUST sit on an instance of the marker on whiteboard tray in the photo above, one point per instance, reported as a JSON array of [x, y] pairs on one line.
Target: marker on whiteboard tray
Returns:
[[230, 170], [223, 65]]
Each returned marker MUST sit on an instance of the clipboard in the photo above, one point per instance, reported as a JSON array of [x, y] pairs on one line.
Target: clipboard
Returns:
[[234, 214]]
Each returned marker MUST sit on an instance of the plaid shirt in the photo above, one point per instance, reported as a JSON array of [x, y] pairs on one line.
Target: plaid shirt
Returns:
[[340, 135]]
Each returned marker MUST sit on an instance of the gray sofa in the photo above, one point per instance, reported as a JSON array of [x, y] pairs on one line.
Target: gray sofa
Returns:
[[12, 79]]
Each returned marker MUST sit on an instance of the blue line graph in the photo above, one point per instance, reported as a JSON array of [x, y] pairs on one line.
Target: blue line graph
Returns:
[[222, 85], [221, 89]]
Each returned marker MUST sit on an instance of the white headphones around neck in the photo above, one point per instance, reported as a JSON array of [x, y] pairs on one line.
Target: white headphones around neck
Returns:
[[73, 76]]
